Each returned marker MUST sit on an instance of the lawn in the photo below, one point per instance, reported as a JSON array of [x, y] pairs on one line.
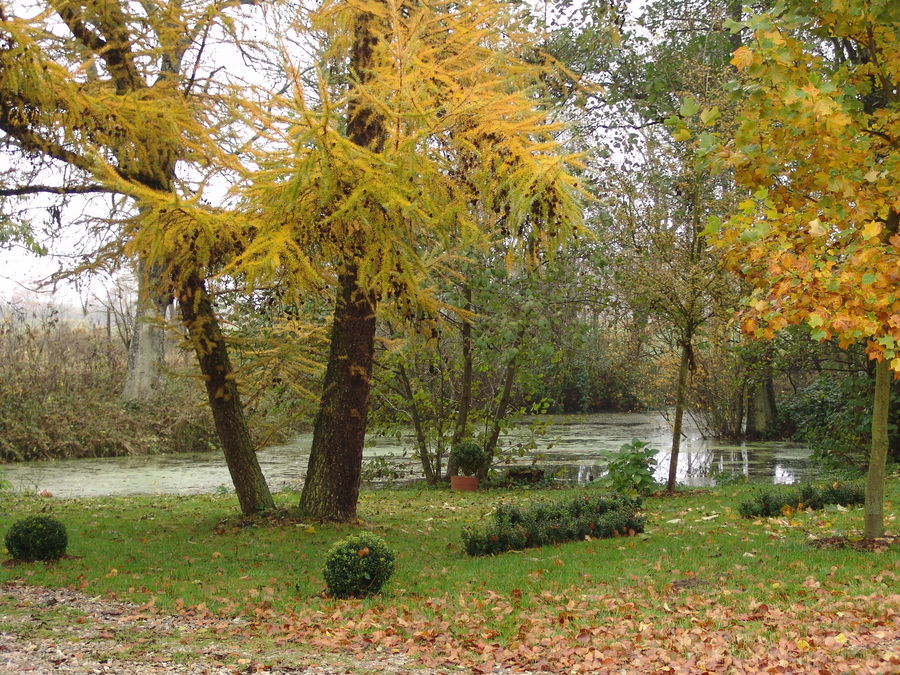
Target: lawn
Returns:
[[701, 589]]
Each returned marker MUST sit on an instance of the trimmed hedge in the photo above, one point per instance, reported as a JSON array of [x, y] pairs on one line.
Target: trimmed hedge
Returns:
[[37, 538], [358, 566], [515, 527], [775, 501]]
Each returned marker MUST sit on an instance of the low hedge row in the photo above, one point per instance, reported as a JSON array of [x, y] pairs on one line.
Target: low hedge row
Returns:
[[516, 527], [777, 501]]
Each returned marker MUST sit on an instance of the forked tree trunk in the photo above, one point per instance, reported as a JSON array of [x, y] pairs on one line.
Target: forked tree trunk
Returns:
[[331, 489], [221, 388], [874, 508], [680, 395]]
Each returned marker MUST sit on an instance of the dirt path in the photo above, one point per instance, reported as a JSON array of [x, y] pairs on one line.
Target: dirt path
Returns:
[[59, 631]]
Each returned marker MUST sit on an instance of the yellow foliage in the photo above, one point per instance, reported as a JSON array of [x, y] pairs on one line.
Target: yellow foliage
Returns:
[[817, 148], [466, 153]]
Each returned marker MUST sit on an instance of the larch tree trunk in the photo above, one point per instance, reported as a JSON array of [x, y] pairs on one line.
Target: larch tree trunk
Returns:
[[212, 356], [331, 488], [680, 395], [874, 507]]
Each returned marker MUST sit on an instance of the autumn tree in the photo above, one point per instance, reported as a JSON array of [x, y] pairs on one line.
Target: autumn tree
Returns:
[[656, 62], [366, 193], [818, 147], [116, 97]]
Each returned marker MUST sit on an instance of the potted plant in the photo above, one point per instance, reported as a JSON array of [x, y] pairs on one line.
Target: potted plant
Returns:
[[469, 457]]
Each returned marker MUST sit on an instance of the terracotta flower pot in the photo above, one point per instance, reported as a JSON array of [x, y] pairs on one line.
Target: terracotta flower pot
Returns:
[[464, 483]]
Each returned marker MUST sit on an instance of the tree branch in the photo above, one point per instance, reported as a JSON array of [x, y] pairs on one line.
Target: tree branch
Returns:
[[22, 190], [33, 142]]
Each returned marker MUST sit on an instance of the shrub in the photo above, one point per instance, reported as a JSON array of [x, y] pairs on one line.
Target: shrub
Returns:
[[834, 416], [358, 565], [777, 501], [631, 471], [468, 456], [37, 538], [515, 527]]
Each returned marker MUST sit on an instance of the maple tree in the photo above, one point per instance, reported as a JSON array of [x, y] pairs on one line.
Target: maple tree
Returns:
[[818, 147], [114, 97], [434, 140]]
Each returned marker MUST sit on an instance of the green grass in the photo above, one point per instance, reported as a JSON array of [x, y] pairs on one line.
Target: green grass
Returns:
[[190, 552]]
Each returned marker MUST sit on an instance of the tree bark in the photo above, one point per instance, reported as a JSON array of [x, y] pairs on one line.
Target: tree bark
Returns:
[[874, 507], [146, 351], [331, 488], [680, 395], [221, 388]]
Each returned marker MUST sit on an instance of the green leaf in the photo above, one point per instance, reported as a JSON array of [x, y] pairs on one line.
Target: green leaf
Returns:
[[868, 279], [689, 107], [713, 225]]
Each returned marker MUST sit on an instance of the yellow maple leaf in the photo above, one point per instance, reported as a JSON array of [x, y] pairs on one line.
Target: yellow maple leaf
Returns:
[[872, 229], [742, 58]]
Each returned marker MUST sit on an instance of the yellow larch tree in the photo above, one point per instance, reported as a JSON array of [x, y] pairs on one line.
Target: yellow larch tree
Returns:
[[436, 139], [114, 96]]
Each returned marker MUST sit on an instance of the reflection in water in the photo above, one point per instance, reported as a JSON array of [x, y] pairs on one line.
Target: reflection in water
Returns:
[[575, 448]]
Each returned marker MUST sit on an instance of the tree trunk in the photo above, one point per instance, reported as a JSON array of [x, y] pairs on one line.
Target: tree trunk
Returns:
[[680, 395], [874, 508], [331, 489], [465, 386], [427, 469], [146, 351], [509, 378], [221, 388], [761, 409]]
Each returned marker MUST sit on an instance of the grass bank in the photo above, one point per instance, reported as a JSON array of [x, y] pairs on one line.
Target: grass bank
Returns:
[[702, 588]]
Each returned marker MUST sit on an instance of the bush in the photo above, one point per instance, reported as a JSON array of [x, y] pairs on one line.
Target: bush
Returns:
[[631, 471], [515, 527], [468, 456], [358, 565], [834, 416], [37, 538], [777, 501]]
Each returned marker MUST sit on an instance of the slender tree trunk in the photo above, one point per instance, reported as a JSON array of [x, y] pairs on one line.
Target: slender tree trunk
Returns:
[[874, 508], [509, 378], [221, 388], [465, 386], [421, 441], [680, 395], [331, 489]]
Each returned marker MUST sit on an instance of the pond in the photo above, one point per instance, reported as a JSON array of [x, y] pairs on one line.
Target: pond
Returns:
[[572, 448]]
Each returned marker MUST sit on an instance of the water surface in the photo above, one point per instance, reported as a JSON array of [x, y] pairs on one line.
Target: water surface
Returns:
[[573, 448]]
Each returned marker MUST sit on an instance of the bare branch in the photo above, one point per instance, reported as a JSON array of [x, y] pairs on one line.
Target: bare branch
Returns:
[[22, 190]]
